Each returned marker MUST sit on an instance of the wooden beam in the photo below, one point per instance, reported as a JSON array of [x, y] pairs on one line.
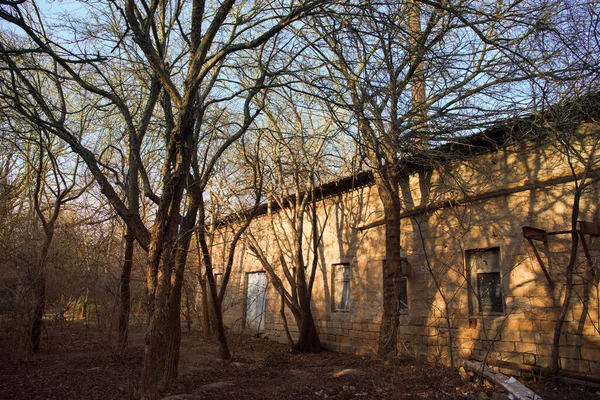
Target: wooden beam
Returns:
[[546, 372], [511, 385], [534, 234], [589, 228], [537, 254]]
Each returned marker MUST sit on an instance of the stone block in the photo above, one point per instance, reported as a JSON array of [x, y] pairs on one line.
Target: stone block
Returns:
[[527, 337], [544, 338], [570, 352], [541, 302], [544, 350], [364, 335], [590, 354], [504, 346], [512, 325], [525, 347], [574, 365], [544, 361], [529, 359], [525, 325], [462, 334], [510, 335], [433, 332], [512, 357], [552, 314], [592, 340]]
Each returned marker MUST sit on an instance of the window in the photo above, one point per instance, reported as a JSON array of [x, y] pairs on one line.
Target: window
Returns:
[[341, 287], [403, 293], [486, 281], [256, 288], [218, 280]]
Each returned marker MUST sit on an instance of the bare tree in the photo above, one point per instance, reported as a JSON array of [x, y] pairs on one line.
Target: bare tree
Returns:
[[191, 50], [413, 75], [53, 189], [299, 148], [240, 201]]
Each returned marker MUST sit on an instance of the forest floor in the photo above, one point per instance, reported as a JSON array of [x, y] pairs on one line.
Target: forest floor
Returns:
[[78, 363]]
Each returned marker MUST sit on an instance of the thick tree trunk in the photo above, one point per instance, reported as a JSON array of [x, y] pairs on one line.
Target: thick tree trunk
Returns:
[[170, 357], [308, 339], [173, 339], [124, 290], [40, 294], [388, 334], [160, 265], [157, 331]]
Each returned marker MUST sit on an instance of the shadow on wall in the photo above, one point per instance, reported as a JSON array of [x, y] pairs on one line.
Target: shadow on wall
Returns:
[[475, 287]]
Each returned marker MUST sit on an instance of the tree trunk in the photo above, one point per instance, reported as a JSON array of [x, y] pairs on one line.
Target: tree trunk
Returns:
[[308, 339], [212, 286], [284, 318], [205, 308], [225, 354], [40, 294], [124, 291], [173, 339], [388, 334], [38, 312], [160, 263], [204, 293], [157, 331]]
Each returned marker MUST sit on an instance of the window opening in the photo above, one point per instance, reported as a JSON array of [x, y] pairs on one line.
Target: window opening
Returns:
[[486, 281], [341, 278]]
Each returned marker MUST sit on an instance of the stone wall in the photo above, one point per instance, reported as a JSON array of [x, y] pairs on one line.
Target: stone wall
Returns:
[[495, 194]]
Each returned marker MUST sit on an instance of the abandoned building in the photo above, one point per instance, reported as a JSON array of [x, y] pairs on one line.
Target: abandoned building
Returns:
[[485, 238]]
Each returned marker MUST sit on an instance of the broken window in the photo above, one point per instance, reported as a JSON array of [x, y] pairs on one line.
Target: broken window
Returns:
[[403, 294], [341, 285], [486, 281]]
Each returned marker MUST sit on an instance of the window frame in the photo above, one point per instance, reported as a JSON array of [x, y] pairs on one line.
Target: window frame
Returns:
[[405, 310], [473, 273], [334, 293]]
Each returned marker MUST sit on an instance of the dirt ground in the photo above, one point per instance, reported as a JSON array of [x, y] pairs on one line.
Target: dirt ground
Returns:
[[80, 364]]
